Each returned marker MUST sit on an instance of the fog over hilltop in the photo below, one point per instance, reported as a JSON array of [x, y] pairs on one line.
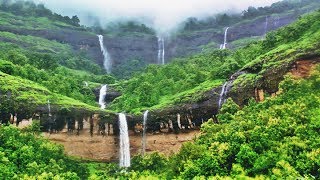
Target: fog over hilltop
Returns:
[[162, 15]]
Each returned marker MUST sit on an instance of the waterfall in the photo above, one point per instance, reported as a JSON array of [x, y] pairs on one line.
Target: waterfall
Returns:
[[223, 46], [161, 50], [102, 96], [224, 91], [49, 108], [124, 141], [107, 59], [178, 121], [144, 135]]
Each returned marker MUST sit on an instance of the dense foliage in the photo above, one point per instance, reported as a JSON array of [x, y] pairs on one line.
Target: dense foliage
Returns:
[[24, 156], [278, 139]]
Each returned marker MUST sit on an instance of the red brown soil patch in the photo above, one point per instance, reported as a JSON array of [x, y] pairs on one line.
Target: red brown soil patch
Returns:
[[302, 68]]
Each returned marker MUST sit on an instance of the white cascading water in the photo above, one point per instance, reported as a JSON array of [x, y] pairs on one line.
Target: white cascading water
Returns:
[[221, 97], [178, 121], [107, 59], [124, 141], [102, 96], [161, 50], [223, 46], [144, 135], [224, 91]]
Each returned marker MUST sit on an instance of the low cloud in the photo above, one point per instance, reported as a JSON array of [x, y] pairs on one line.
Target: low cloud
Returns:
[[162, 15]]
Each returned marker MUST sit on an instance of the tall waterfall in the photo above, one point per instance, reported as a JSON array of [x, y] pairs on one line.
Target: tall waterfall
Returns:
[[223, 46], [161, 50], [107, 59], [102, 96], [124, 141], [144, 135]]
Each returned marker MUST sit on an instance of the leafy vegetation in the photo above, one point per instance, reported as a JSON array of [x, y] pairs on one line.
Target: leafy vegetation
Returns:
[[24, 156], [276, 139]]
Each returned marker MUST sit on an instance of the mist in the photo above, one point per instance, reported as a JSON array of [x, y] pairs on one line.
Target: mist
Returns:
[[162, 15]]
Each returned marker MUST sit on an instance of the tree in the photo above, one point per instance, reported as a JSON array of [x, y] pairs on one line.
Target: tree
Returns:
[[75, 20]]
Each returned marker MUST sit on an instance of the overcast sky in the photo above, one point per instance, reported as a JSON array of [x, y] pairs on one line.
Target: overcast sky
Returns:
[[163, 15]]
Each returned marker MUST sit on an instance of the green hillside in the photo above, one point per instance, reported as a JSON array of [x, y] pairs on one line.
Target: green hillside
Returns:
[[277, 138], [29, 52]]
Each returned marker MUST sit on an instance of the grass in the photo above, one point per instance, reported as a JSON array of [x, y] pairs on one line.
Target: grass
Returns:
[[31, 23], [25, 90], [36, 43]]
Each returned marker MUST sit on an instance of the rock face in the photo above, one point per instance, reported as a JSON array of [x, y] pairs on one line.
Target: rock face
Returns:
[[145, 46]]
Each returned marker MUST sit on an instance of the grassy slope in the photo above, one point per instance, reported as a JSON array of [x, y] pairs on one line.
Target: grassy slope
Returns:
[[28, 91]]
